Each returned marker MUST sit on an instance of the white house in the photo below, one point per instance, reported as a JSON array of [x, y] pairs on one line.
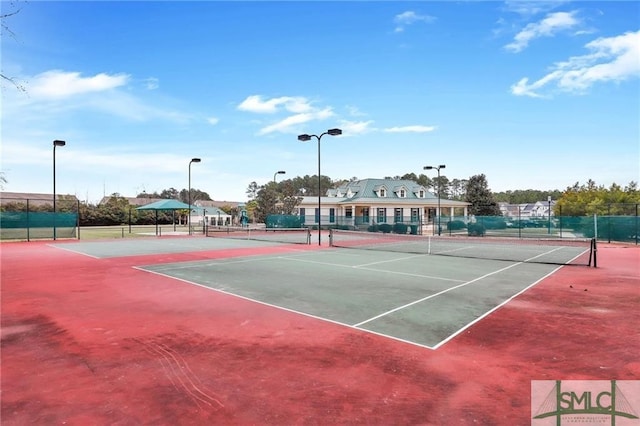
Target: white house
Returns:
[[368, 201], [539, 209]]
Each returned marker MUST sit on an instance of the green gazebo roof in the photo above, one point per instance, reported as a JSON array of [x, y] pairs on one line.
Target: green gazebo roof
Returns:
[[165, 205]]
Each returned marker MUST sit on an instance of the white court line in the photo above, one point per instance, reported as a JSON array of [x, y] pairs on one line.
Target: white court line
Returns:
[[372, 269], [358, 325], [435, 295], [199, 263], [285, 309], [387, 261], [490, 311], [74, 251]]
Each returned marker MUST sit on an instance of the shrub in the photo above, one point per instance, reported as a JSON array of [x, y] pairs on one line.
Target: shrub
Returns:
[[414, 229], [456, 225], [493, 222], [385, 228], [372, 228], [400, 228], [476, 229]]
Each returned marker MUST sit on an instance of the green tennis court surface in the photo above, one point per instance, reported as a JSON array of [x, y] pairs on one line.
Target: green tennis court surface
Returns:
[[140, 247], [421, 299]]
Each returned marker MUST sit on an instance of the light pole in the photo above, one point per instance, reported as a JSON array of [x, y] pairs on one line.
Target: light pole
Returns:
[[55, 143], [305, 138], [279, 172], [193, 160], [549, 201], [441, 166]]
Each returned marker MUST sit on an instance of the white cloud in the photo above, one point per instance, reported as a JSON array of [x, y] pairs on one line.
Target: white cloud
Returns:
[[213, 120], [611, 59], [532, 7], [301, 108], [350, 128], [410, 129], [355, 111], [552, 24], [61, 84], [151, 83], [57, 94], [409, 17], [288, 124], [256, 104]]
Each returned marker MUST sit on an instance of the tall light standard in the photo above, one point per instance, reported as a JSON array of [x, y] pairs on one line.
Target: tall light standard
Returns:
[[55, 143], [549, 212], [305, 138], [193, 160], [441, 166], [279, 172]]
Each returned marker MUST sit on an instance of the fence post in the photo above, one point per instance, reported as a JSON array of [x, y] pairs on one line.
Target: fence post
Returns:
[[609, 223], [28, 224], [78, 217], [560, 212]]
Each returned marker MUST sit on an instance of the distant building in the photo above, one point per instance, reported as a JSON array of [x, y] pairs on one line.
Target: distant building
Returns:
[[34, 198], [368, 201], [539, 209]]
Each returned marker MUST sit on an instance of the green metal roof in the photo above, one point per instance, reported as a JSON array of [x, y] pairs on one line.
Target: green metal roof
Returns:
[[166, 205], [367, 188]]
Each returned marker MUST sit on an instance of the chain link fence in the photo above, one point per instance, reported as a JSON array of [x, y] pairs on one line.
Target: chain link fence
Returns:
[[31, 219]]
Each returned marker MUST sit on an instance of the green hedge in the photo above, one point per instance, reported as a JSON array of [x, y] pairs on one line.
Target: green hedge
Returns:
[[476, 229]]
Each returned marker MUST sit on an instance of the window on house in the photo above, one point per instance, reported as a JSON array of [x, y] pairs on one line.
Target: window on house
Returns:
[[402, 193], [302, 213], [398, 215], [332, 215], [317, 215], [383, 192], [348, 212], [415, 215], [382, 215], [421, 194]]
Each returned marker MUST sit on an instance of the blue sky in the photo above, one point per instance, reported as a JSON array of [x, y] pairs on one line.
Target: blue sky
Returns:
[[534, 94]]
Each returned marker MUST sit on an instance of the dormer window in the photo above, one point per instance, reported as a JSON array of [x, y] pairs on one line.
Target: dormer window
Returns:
[[421, 193], [402, 193], [383, 192]]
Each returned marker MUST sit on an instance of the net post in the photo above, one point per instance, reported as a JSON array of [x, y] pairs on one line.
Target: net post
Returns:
[[594, 250]]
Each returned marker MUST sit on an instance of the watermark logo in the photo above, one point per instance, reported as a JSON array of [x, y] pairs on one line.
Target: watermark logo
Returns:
[[585, 402]]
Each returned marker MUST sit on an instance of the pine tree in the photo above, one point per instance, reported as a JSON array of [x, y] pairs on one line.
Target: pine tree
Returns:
[[481, 198]]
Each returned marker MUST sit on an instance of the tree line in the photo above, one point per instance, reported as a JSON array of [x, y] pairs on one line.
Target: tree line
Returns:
[[116, 209], [578, 200], [283, 197]]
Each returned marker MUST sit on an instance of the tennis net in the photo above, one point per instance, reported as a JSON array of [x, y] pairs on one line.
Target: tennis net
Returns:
[[278, 235], [565, 251]]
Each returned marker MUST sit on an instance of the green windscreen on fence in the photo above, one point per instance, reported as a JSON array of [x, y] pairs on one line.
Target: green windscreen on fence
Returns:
[[28, 225], [611, 228], [283, 221]]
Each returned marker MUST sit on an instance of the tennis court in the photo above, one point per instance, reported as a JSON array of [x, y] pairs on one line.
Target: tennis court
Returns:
[[230, 330], [425, 300]]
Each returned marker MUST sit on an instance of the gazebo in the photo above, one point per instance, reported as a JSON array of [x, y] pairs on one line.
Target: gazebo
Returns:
[[164, 205]]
